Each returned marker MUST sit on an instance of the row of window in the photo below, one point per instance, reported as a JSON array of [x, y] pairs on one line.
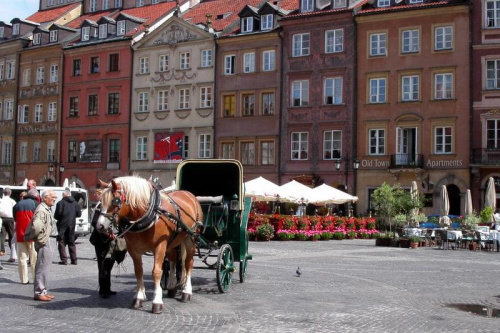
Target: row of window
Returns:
[[36, 156], [266, 23], [113, 105], [76, 151], [106, 4], [37, 38], [268, 62], [308, 5], [60, 2], [6, 109], [247, 100], [23, 116], [163, 64], [183, 100], [94, 65], [7, 70], [40, 75]]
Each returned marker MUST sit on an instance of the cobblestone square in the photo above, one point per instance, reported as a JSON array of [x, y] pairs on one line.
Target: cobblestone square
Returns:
[[345, 286]]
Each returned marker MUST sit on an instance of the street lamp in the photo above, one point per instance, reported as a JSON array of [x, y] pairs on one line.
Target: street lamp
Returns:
[[338, 162], [51, 169]]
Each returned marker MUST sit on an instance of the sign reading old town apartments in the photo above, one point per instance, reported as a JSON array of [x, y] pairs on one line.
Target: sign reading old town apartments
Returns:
[[429, 164]]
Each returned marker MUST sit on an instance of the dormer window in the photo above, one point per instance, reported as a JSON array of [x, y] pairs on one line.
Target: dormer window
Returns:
[[15, 29], [120, 28], [37, 38], [416, 1], [103, 31], [266, 22], [384, 3], [85, 33], [53, 36], [307, 5], [139, 3], [2, 32], [247, 24], [340, 4]]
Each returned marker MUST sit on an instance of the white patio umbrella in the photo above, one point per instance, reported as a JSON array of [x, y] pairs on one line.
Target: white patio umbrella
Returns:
[[294, 192], [261, 189], [444, 208], [490, 199], [414, 196], [468, 203], [325, 194]]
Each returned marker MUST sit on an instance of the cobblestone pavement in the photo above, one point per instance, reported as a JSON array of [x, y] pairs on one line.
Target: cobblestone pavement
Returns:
[[346, 286]]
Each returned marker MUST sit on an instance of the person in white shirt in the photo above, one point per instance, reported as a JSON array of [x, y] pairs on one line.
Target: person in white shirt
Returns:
[[496, 216], [6, 205]]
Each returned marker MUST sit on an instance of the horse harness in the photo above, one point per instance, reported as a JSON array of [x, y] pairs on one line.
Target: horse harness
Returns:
[[152, 216]]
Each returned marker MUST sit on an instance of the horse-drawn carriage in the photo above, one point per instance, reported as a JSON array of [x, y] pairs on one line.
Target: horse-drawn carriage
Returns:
[[163, 222], [218, 186]]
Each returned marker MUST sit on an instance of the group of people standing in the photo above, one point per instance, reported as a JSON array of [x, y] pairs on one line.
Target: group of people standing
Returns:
[[30, 225]]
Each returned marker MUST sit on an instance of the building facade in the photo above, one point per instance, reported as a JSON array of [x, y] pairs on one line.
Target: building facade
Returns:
[[413, 100]]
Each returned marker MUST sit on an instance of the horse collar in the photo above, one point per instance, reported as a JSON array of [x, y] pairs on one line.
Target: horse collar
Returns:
[[146, 221]]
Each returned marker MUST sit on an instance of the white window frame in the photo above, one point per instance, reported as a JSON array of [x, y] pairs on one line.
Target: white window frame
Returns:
[[92, 5], [247, 152], [268, 105], [54, 73], [246, 24], [40, 75], [206, 58], [184, 99], [85, 33], [443, 38], [376, 141], [493, 73], [37, 151], [339, 4], [333, 88], [378, 44], [118, 3], [301, 45], [52, 111], [229, 64], [120, 28], [143, 65], [8, 111], [227, 149], [2, 70], [410, 41], [38, 113], [51, 151], [7, 152], [410, 88], [23, 152], [300, 93], [248, 104], [266, 22], [332, 144], [443, 142], [37, 38], [103, 30], [162, 100], [23, 115], [163, 63], [378, 90], [139, 3], [184, 60], [334, 41], [204, 145], [11, 70], [299, 144], [267, 152], [105, 4], [268, 60], [141, 148], [143, 102], [26, 77], [445, 91], [15, 29], [492, 14], [306, 6], [206, 97], [249, 62], [2, 32], [53, 36], [384, 3]]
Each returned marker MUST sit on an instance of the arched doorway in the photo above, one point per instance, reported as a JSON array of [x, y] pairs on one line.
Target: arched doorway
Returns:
[[49, 182], [454, 197]]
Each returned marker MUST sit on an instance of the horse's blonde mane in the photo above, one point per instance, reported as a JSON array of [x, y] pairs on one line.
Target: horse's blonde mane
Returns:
[[137, 192]]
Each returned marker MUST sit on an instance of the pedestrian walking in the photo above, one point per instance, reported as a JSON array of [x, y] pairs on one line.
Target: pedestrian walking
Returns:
[[43, 226], [23, 211], [67, 210], [6, 205]]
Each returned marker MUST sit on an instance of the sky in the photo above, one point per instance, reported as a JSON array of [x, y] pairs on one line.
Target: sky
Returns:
[[10, 9]]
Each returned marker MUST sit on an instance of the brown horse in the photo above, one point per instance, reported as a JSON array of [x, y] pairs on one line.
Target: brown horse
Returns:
[[153, 221]]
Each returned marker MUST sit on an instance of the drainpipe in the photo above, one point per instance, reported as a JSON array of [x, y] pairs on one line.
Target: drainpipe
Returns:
[[281, 83], [216, 94], [354, 125], [130, 105], [471, 96]]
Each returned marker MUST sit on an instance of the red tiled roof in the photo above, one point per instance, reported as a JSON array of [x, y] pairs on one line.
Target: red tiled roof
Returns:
[[51, 14], [150, 13], [289, 4], [411, 6], [218, 7], [75, 24], [318, 12]]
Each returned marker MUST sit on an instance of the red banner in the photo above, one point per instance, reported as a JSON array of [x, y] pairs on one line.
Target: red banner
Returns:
[[168, 147]]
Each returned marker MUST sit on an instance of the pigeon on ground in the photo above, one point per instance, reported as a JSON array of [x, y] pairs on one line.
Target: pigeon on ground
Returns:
[[298, 271]]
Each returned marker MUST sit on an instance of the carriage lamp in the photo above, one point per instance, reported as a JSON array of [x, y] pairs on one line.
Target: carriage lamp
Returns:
[[234, 202]]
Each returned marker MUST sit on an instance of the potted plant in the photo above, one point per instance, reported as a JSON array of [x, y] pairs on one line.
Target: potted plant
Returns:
[[338, 235], [351, 234], [301, 235], [265, 232], [284, 235], [326, 235], [384, 239], [414, 240], [470, 221]]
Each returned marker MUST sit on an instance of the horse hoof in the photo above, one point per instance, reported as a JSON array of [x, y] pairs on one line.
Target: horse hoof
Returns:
[[171, 293], [185, 297], [137, 303], [157, 308]]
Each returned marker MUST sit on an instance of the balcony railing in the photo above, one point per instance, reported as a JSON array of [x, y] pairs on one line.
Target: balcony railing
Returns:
[[485, 156], [400, 161]]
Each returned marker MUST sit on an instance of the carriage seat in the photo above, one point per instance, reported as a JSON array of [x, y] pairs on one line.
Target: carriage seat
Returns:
[[211, 200]]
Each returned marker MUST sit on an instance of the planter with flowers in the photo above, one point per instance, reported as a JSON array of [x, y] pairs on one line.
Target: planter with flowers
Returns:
[[351, 234], [414, 240], [301, 236], [326, 235], [314, 235], [285, 235], [265, 232], [338, 235]]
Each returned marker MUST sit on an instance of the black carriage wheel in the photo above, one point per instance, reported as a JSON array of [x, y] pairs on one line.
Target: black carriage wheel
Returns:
[[225, 268], [243, 270]]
